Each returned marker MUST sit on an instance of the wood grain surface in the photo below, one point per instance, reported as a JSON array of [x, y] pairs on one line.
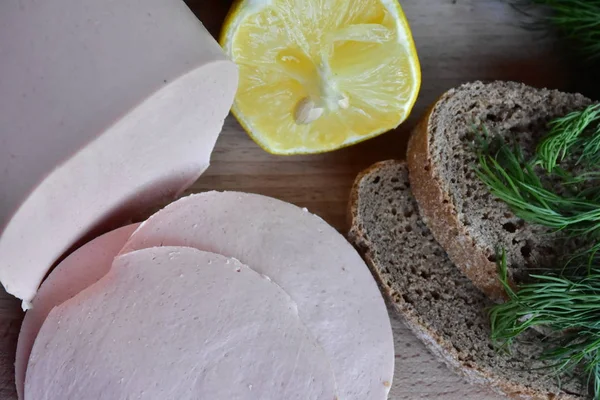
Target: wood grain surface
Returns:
[[457, 41]]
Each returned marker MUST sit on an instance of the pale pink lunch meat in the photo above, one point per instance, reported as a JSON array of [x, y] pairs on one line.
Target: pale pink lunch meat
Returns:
[[337, 296], [82, 268], [177, 323], [107, 108]]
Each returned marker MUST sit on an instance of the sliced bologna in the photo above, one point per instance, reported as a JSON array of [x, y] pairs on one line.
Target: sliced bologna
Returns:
[[106, 109], [81, 269], [336, 294], [176, 323]]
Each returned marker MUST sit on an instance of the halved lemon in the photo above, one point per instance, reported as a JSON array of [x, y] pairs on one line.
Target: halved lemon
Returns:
[[318, 75]]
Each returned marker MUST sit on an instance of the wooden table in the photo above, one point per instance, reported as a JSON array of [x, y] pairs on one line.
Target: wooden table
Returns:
[[457, 41]]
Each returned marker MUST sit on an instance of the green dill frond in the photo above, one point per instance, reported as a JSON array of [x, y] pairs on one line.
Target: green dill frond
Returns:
[[576, 20], [516, 183], [541, 190], [569, 308], [568, 132], [551, 300], [571, 203]]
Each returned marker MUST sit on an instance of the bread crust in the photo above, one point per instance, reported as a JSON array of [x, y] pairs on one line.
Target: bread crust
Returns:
[[439, 213], [434, 342]]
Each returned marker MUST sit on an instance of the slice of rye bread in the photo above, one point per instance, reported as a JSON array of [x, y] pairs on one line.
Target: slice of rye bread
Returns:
[[440, 305], [463, 216]]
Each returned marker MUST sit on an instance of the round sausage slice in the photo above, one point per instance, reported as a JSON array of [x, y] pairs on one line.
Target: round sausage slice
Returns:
[[177, 323], [82, 268], [336, 294]]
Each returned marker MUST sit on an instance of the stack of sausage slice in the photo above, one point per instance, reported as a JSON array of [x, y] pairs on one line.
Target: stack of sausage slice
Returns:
[[217, 296]]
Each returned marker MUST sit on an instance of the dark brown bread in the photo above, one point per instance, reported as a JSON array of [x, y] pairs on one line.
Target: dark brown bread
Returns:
[[465, 219], [441, 306]]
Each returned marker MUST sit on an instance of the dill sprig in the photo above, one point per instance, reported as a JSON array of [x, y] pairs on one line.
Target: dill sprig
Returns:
[[577, 20], [540, 189], [516, 182], [569, 307], [573, 131], [551, 300], [571, 204]]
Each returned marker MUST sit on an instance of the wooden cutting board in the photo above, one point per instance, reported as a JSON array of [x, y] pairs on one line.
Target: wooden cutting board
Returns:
[[457, 41]]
